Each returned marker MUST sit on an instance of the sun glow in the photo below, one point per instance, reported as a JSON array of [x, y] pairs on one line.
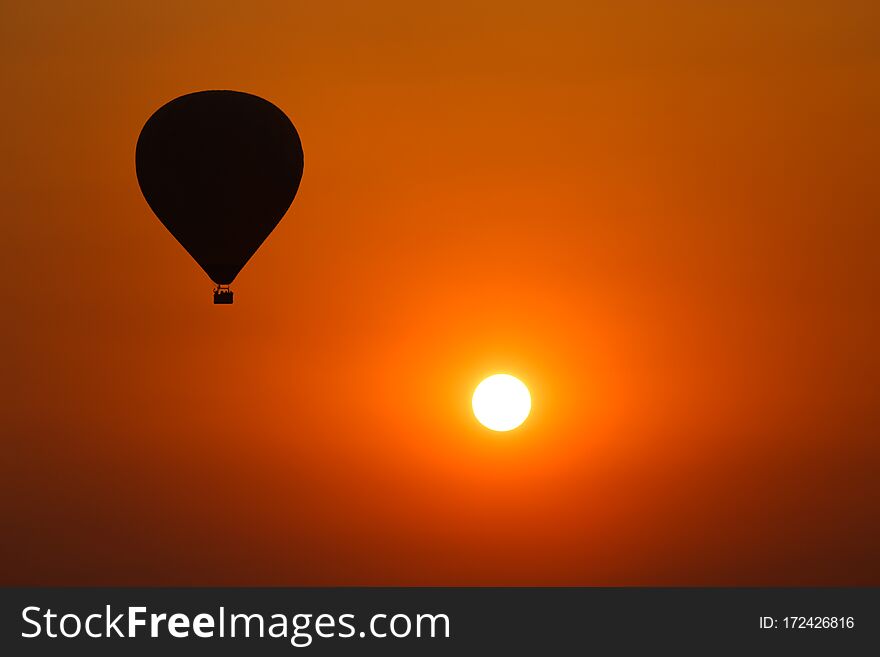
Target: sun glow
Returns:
[[501, 402]]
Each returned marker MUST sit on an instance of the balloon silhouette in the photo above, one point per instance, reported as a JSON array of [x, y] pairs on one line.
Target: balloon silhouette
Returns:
[[219, 169]]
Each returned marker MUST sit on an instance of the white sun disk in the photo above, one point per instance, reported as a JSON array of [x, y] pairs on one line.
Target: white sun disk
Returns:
[[501, 402]]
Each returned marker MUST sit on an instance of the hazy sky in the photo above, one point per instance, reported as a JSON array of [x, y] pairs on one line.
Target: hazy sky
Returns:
[[663, 217]]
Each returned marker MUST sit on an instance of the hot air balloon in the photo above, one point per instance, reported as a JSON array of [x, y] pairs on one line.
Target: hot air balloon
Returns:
[[219, 169]]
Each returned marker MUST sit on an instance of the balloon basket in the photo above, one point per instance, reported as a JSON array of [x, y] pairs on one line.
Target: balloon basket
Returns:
[[222, 295]]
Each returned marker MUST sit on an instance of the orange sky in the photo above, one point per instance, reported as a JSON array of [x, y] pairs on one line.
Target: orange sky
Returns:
[[663, 217]]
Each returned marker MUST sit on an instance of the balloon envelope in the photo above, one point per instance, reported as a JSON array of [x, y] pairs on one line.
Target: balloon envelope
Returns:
[[219, 169]]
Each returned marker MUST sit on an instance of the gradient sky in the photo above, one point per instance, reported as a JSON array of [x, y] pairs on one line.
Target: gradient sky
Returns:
[[663, 217]]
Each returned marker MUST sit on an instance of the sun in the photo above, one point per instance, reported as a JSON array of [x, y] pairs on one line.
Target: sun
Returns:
[[501, 402]]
